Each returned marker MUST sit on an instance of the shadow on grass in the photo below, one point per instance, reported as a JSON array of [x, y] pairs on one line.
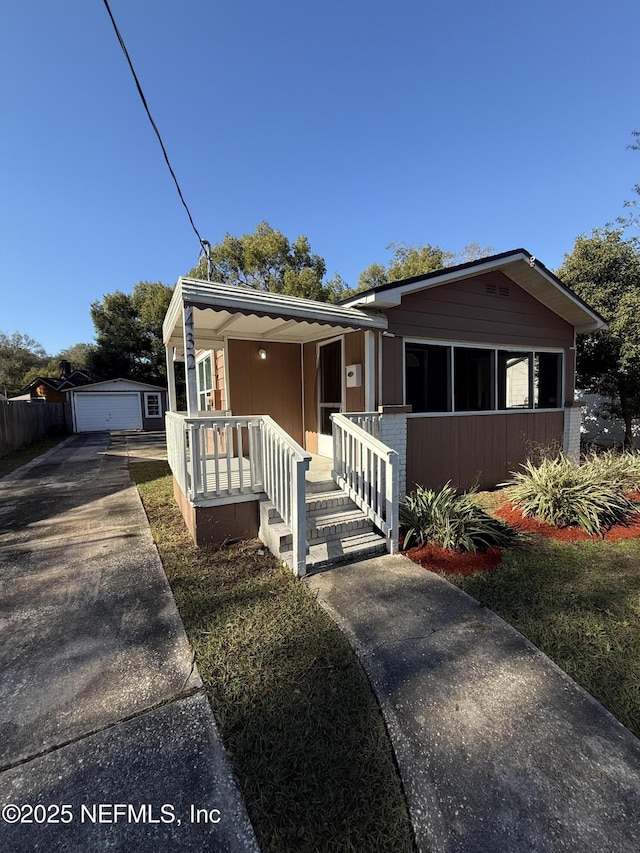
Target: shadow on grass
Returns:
[[294, 706], [580, 604]]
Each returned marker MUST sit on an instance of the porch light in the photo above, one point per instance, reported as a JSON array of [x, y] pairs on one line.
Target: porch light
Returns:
[[262, 354]]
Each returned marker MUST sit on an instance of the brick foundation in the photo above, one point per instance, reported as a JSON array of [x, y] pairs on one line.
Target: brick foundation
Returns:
[[213, 525]]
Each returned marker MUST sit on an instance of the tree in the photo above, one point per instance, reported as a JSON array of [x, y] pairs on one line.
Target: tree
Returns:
[[408, 261], [266, 260], [18, 353], [129, 334], [604, 270]]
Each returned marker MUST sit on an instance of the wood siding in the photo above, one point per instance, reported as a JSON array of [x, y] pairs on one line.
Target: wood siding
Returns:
[[272, 386], [476, 450], [354, 354], [466, 311], [392, 372]]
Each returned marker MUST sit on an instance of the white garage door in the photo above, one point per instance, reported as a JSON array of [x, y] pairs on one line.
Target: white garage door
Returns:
[[103, 410]]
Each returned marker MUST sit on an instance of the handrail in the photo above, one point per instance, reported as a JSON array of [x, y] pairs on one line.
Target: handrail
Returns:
[[284, 464], [219, 458], [367, 470], [368, 421]]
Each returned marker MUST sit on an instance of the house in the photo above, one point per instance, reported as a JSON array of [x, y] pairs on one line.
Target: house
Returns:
[[117, 404], [454, 376], [602, 423], [47, 389]]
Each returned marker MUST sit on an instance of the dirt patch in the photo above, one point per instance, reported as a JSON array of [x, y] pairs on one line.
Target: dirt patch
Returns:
[[437, 559], [513, 516]]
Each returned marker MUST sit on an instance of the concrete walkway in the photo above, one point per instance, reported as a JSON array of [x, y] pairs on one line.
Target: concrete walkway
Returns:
[[499, 750], [100, 703]]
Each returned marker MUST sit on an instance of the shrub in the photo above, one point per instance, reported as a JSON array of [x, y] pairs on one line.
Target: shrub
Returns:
[[564, 493], [451, 521], [618, 468]]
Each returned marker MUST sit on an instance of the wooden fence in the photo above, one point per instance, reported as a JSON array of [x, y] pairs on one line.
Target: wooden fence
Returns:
[[22, 423]]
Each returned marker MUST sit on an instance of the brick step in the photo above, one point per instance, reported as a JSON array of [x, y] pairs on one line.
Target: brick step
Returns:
[[320, 502], [332, 527], [337, 521], [327, 500], [315, 486], [340, 549]]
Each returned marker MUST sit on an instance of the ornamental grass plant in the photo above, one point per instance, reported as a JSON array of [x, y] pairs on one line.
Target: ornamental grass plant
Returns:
[[565, 493], [618, 468], [452, 521]]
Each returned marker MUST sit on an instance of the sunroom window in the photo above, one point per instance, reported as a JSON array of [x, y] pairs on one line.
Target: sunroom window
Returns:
[[441, 378], [473, 379], [428, 377]]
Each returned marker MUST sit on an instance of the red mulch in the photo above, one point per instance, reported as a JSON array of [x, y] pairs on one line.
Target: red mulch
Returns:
[[513, 516], [437, 559]]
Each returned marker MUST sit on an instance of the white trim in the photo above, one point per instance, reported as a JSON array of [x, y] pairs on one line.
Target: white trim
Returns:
[[157, 394], [484, 412], [328, 444], [302, 394], [227, 390], [369, 371], [380, 338]]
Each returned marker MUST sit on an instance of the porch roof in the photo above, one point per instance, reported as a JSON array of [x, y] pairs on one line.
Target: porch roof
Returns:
[[223, 310]]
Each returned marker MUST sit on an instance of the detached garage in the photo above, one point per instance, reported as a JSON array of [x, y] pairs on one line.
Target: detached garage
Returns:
[[118, 404]]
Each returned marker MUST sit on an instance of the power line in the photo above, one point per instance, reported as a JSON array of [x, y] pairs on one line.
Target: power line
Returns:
[[204, 245]]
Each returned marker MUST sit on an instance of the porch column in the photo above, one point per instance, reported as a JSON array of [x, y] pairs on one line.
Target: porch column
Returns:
[[393, 433], [171, 378], [190, 361], [572, 424], [369, 371]]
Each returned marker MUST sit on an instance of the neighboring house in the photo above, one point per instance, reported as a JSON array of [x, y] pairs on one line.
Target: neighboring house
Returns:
[[118, 404], [601, 421], [455, 376], [47, 389]]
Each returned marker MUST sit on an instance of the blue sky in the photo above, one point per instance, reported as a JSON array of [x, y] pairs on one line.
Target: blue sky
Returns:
[[354, 123]]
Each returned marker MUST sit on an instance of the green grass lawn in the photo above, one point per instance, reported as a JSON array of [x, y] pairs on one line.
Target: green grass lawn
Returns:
[[580, 604], [294, 707], [14, 460]]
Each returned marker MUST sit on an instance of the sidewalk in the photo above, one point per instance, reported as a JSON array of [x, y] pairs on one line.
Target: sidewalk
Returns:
[[101, 702], [498, 749]]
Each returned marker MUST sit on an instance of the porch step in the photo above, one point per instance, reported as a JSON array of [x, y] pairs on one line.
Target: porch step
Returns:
[[327, 500], [340, 549], [336, 530]]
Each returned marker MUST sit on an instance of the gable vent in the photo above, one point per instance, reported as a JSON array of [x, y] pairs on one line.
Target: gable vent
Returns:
[[503, 290], [491, 289]]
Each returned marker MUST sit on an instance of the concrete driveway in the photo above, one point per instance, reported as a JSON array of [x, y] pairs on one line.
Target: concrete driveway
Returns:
[[101, 702], [499, 750]]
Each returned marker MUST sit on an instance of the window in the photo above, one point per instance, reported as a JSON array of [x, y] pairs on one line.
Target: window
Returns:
[[428, 377], [548, 380], [473, 381], [152, 407], [205, 384], [514, 371], [442, 378]]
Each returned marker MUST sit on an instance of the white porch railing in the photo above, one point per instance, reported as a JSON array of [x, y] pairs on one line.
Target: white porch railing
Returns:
[[284, 464], [367, 470], [221, 459], [368, 421]]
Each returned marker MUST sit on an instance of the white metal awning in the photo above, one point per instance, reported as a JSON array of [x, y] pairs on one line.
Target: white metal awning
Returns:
[[222, 311]]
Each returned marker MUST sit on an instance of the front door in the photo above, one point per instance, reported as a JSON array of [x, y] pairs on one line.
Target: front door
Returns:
[[329, 392]]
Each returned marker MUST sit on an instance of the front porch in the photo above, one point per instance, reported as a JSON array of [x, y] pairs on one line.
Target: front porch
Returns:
[[301, 364], [242, 477]]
